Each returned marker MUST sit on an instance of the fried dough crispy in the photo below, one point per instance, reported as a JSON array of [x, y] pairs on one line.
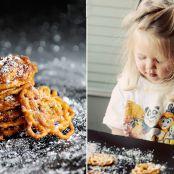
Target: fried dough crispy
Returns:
[[15, 71], [46, 113], [10, 115], [14, 91], [101, 159], [9, 102], [11, 122], [23, 107], [7, 132], [146, 168], [19, 121]]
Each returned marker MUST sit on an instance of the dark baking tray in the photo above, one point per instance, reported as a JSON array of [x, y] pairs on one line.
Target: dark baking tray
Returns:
[[163, 153]]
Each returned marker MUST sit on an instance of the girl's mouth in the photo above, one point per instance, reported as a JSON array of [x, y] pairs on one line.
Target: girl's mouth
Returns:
[[152, 75]]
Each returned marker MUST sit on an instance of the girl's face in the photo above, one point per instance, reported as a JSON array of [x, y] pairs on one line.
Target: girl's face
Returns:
[[153, 66]]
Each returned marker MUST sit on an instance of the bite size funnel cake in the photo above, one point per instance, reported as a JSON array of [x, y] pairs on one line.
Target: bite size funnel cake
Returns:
[[146, 168], [16, 71], [46, 113], [101, 159]]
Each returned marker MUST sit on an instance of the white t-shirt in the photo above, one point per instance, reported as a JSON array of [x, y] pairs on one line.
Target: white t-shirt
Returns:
[[146, 112]]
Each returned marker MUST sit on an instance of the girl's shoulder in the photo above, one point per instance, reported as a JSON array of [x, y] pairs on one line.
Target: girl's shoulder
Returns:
[[145, 84], [145, 88]]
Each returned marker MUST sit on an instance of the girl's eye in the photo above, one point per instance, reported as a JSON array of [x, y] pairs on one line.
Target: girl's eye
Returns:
[[159, 61], [141, 57]]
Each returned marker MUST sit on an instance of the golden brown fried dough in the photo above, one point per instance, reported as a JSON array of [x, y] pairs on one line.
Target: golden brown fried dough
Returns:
[[16, 71], [146, 168], [9, 102], [101, 159], [45, 113], [22, 106]]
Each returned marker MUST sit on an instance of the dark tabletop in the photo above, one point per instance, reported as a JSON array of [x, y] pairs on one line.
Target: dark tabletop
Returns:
[[161, 153]]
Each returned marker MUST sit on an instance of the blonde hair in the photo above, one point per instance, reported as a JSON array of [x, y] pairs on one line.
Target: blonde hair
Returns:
[[156, 18]]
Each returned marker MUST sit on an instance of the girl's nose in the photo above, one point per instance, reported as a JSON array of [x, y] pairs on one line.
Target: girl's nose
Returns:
[[151, 64]]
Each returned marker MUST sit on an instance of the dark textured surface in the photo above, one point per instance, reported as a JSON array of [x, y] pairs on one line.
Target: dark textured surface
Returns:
[[130, 152], [21, 154], [53, 36]]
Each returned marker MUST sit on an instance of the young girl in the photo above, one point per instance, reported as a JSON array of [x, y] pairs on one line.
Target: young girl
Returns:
[[142, 103]]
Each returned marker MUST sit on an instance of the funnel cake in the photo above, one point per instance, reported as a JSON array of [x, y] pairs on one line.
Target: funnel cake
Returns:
[[146, 168], [16, 71], [13, 91], [9, 97], [11, 122], [10, 115], [23, 107], [101, 159], [7, 132], [46, 113], [9, 102]]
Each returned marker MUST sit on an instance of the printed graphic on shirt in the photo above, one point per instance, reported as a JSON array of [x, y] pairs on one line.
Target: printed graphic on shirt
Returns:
[[152, 116], [134, 116], [150, 123], [166, 124]]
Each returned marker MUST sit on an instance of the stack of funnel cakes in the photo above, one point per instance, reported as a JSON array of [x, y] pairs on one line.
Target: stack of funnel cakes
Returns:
[[39, 111], [16, 72]]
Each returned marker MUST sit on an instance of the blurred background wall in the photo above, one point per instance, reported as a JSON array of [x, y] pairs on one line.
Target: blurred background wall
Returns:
[[43, 29], [52, 33], [105, 37]]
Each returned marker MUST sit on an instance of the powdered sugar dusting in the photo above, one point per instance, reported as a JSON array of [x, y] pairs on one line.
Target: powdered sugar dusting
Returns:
[[7, 65], [21, 70], [10, 63], [9, 58], [127, 158], [9, 98], [23, 155], [61, 70]]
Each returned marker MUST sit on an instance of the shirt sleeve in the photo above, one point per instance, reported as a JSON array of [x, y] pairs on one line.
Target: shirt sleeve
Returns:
[[115, 111]]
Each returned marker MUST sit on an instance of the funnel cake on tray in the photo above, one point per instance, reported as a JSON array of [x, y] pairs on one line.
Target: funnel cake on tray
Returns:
[[146, 168], [39, 111]]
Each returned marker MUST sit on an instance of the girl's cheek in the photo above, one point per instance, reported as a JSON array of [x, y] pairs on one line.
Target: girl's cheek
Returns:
[[168, 70], [142, 66]]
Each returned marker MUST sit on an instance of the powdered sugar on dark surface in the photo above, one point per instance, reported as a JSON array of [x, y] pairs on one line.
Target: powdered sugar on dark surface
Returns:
[[57, 46], [126, 158]]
